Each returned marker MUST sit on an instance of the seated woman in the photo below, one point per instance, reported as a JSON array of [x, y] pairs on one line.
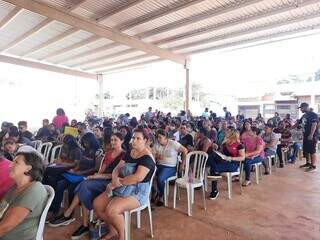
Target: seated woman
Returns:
[[22, 206], [254, 146], [166, 153], [89, 189], [129, 187], [271, 140], [234, 152], [6, 181], [70, 154], [84, 167], [285, 139]]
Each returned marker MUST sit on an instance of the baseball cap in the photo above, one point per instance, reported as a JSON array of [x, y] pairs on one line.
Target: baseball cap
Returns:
[[303, 105]]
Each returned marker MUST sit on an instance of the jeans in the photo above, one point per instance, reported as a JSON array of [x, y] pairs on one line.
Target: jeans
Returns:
[[296, 148], [163, 173], [247, 165], [267, 153], [218, 165], [59, 190]]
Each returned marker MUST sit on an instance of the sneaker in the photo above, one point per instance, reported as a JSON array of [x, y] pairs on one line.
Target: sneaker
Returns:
[[80, 232], [214, 195], [159, 203], [246, 183], [305, 165], [311, 168], [281, 165], [61, 221]]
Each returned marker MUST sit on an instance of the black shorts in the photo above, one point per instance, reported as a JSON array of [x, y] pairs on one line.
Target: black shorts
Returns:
[[309, 146]]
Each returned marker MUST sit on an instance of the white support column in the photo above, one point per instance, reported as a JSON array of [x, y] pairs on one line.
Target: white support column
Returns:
[[101, 95], [187, 86], [312, 102]]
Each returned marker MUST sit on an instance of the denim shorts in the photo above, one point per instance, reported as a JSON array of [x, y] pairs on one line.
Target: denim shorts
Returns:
[[140, 191]]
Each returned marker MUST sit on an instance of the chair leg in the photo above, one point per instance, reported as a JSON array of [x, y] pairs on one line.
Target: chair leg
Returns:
[[127, 225], [138, 219], [189, 198], [91, 216], [257, 173], [270, 165], [204, 197], [150, 220], [192, 195], [206, 180], [175, 195], [229, 180], [166, 186]]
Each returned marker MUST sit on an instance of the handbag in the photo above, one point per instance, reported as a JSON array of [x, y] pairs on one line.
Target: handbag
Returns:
[[97, 229]]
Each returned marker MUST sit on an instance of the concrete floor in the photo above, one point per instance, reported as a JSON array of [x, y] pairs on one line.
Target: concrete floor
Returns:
[[285, 205]]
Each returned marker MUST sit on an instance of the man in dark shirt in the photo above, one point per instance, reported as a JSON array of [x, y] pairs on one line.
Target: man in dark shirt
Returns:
[[186, 139], [23, 130], [227, 114], [309, 121]]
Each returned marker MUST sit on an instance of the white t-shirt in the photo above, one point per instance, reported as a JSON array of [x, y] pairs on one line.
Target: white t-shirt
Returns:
[[170, 153]]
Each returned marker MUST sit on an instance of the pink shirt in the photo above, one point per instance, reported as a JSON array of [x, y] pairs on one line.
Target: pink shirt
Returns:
[[5, 181], [251, 143], [58, 121]]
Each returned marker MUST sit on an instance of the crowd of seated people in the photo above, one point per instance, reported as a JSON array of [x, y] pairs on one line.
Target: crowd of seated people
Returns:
[[108, 166]]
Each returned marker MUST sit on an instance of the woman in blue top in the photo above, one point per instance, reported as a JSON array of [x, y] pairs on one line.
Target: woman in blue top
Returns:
[[129, 187]]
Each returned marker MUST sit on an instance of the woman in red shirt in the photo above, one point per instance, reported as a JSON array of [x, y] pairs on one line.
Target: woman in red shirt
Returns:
[[5, 180], [233, 152]]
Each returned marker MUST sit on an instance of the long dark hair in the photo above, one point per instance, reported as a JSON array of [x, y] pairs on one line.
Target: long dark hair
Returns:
[[91, 140], [70, 141]]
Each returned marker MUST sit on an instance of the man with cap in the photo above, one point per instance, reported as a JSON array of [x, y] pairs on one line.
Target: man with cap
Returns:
[[309, 121]]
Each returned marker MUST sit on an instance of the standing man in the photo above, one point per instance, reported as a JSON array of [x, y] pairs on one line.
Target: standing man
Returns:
[[227, 114], [309, 121]]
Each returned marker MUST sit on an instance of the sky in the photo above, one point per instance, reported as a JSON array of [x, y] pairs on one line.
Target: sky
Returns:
[[31, 95]]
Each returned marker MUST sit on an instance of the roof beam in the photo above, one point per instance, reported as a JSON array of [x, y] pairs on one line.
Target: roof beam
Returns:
[[41, 25], [46, 67], [158, 14], [97, 29], [117, 62], [105, 57], [25, 35], [10, 16], [52, 40], [197, 18], [224, 25], [72, 47], [129, 66], [252, 40], [245, 32], [90, 52], [117, 10]]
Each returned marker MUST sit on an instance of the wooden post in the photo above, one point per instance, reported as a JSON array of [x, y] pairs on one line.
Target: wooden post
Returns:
[[101, 95], [187, 86]]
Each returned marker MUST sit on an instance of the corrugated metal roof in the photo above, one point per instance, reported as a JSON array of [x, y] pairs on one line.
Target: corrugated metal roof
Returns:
[[180, 26]]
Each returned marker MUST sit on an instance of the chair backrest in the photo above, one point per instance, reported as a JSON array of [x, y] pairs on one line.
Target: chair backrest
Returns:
[[198, 165], [101, 161], [45, 150], [55, 153], [50, 192], [37, 144], [151, 180]]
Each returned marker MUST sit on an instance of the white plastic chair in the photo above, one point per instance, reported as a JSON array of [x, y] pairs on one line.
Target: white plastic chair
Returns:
[[229, 176], [258, 171], [199, 163], [45, 150], [55, 153], [50, 192], [275, 159], [36, 144], [127, 214]]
